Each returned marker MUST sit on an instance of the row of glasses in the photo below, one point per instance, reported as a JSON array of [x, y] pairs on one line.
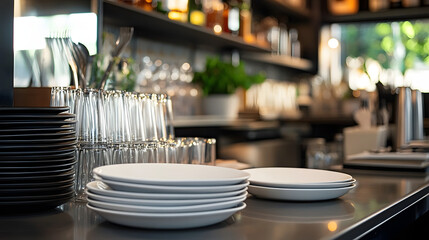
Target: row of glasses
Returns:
[[190, 150]]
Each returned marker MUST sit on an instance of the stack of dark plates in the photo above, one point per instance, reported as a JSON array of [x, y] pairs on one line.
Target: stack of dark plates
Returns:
[[37, 158]]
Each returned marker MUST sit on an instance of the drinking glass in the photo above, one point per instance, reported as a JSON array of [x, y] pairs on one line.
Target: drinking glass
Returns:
[[316, 153], [148, 102], [181, 150], [92, 150], [210, 151], [63, 96], [196, 150], [117, 114]]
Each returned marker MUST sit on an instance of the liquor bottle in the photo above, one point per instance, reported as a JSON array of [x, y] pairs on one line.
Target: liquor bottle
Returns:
[[225, 15], [378, 5], [214, 15], [295, 46], [195, 13], [410, 3], [234, 17], [245, 30], [161, 6], [145, 5], [178, 10]]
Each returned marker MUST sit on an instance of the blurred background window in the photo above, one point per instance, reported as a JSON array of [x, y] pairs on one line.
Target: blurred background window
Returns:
[[393, 53]]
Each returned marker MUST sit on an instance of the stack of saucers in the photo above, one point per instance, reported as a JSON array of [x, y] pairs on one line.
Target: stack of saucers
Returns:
[[167, 196], [299, 184], [36, 157]]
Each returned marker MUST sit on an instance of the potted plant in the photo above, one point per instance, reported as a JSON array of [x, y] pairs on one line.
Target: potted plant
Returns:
[[219, 82]]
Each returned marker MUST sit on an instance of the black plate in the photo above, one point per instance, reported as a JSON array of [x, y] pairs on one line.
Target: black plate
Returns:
[[35, 130], [31, 125], [37, 191], [36, 179], [37, 152], [36, 164], [46, 156], [38, 136], [36, 117], [32, 110], [4, 142], [41, 173], [32, 197], [31, 184], [40, 146]]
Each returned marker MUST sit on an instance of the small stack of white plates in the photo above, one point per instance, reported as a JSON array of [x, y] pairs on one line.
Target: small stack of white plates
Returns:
[[167, 196], [298, 184]]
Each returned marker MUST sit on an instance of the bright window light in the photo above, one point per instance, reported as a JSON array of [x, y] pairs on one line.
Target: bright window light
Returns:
[[30, 32]]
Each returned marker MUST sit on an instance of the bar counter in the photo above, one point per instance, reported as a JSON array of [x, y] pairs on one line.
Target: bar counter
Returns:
[[382, 205]]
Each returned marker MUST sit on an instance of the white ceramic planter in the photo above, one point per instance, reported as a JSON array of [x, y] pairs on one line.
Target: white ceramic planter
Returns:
[[223, 105]]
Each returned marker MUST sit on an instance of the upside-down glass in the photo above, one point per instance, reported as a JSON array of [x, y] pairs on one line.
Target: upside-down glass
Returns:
[[63, 96], [92, 148], [117, 114]]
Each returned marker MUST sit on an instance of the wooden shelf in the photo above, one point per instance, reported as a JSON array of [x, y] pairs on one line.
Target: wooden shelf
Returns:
[[401, 14], [280, 60], [155, 25]]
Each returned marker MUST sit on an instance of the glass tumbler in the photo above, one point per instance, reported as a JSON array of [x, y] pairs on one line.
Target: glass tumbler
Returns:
[[63, 96], [91, 148], [316, 153]]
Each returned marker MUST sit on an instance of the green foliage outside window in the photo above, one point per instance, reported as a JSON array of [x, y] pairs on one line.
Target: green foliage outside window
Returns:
[[379, 42]]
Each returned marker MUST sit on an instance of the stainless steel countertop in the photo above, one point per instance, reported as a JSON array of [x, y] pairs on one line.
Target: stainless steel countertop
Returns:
[[376, 199]]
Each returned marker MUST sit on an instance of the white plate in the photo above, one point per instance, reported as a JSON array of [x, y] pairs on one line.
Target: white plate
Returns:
[[296, 177], [171, 174], [167, 220], [165, 209], [156, 202], [145, 188], [296, 194], [100, 188], [330, 185]]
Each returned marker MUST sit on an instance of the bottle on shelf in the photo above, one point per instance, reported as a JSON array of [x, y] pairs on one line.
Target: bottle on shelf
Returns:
[[161, 6], [343, 7], [196, 15], [410, 3], [295, 45], [234, 17], [245, 30], [378, 5], [145, 4], [214, 15], [283, 40], [225, 15], [178, 10]]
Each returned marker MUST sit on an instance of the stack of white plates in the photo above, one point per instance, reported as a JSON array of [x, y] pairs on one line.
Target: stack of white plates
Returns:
[[298, 184], [167, 196]]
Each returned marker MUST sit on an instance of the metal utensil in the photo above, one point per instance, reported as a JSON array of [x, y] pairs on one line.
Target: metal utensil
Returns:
[[81, 62], [125, 36]]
